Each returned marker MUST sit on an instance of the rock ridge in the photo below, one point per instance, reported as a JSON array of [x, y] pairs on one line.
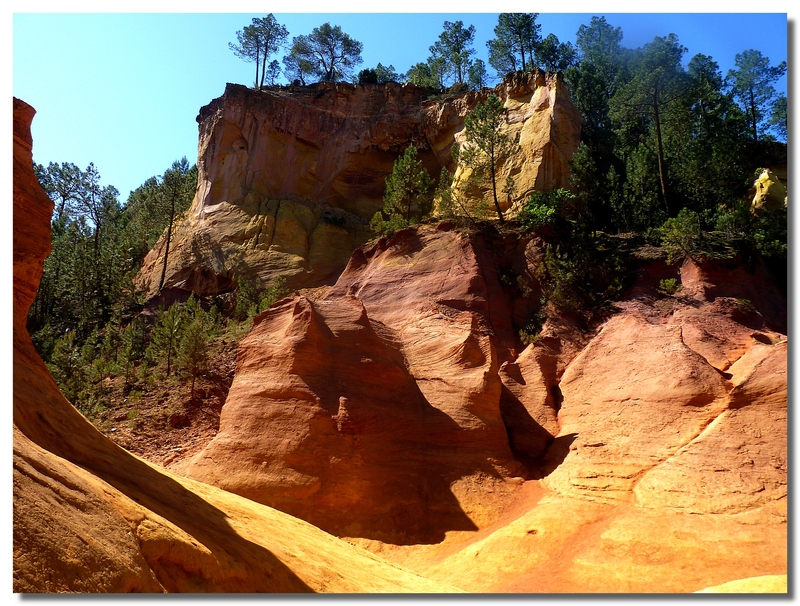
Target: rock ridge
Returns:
[[309, 164]]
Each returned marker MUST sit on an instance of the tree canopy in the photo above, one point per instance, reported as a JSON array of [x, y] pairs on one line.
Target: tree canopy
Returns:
[[408, 195], [328, 52], [487, 143], [516, 37], [257, 42], [752, 82], [454, 48]]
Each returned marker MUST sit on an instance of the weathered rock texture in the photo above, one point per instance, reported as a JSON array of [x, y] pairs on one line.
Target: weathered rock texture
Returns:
[[380, 398], [548, 127], [91, 517], [401, 411], [401, 408], [770, 193], [289, 177]]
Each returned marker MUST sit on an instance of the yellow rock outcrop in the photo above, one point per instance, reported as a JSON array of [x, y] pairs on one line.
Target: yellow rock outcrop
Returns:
[[289, 177], [770, 193]]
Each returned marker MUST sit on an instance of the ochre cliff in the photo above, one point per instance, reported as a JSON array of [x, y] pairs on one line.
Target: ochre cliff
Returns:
[[91, 517], [401, 412], [548, 127], [402, 409], [289, 177]]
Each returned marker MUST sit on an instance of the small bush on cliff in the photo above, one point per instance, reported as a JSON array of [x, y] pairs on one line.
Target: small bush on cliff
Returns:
[[669, 286], [682, 237], [252, 298], [542, 208], [408, 196], [580, 276]]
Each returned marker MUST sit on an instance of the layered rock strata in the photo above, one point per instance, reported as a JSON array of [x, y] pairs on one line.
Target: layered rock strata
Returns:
[[91, 517], [289, 177], [402, 409], [381, 400]]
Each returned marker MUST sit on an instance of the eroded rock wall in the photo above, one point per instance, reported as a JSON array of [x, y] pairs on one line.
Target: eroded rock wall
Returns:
[[90, 517], [289, 177], [402, 408]]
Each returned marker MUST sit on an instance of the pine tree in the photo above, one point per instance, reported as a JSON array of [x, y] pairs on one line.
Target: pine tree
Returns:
[[166, 336], [193, 353], [752, 84], [408, 195], [487, 145]]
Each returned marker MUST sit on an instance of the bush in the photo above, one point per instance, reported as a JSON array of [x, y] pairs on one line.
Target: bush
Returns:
[[669, 286], [252, 299], [542, 208], [682, 237], [580, 277]]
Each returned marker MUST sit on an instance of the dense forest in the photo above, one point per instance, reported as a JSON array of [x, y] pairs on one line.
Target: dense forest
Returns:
[[669, 149]]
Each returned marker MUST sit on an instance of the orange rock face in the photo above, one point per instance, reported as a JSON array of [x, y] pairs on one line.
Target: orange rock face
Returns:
[[381, 400], [91, 517], [402, 412], [403, 399], [288, 177]]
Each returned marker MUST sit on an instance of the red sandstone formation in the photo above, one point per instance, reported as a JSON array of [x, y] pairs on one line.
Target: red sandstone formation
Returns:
[[288, 177], [402, 411], [403, 400], [91, 517]]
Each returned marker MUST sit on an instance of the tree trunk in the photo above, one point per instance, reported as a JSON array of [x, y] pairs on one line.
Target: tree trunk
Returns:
[[494, 191], [753, 114], [166, 248], [522, 50], [264, 64], [660, 149]]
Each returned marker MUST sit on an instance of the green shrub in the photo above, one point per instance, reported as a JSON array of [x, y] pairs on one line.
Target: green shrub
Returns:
[[682, 237], [542, 208], [669, 286]]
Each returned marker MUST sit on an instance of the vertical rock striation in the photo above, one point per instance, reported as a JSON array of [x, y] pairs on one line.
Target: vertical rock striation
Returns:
[[290, 176]]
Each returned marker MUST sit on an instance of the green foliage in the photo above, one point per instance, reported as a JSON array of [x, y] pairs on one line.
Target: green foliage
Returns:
[[427, 75], [555, 56], [752, 84], [275, 292], [477, 78], [778, 120], [516, 38], [453, 50], [657, 86], [252, 298], [408, 197], [580, 277], [745, 306], [327, 52], [669, 286], [166, 336], [379, 75], [194, 346], [530, 336], [486, 143], [770, 235], [67, 368], [297, 67], [542, 208], [257, 42], [682, 237]]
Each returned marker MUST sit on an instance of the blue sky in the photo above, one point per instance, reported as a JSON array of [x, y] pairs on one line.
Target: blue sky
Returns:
[[123, 90]]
